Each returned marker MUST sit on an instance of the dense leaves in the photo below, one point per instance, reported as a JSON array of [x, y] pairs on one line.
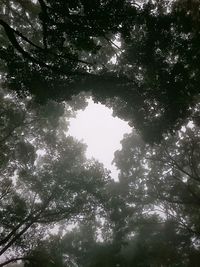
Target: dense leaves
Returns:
[[59, 209], [45, 177], [164, 180], [140, 59]]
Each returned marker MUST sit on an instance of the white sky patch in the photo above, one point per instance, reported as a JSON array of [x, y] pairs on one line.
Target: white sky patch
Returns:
[[102, 133]]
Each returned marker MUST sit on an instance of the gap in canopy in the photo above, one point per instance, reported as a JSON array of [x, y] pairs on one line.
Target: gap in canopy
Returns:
[[102, 133]]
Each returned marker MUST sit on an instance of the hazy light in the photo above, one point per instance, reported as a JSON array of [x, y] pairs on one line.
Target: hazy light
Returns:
[[102, 133]]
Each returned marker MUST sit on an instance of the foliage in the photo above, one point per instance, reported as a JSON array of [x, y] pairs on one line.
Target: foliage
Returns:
[[59, 209], [152, 213], [164, 180], [45, 176], [150, 217], [58, 49]]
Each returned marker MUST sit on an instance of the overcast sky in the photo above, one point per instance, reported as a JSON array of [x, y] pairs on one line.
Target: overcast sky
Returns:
[[102, 132]]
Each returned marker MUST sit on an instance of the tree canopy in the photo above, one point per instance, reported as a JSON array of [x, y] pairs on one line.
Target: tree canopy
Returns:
[[142, 59], [45, 176], [60, 209]]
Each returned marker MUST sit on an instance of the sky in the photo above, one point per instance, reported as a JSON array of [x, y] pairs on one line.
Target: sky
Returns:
[[102, 133]]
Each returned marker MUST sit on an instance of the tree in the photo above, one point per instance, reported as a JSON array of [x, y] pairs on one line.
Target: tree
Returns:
[[154, 243], [45, 176], [165, 180], [143, 61], [64, 48], [52, 184]]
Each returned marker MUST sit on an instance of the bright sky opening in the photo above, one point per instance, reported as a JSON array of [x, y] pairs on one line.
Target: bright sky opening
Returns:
[[102, 133]]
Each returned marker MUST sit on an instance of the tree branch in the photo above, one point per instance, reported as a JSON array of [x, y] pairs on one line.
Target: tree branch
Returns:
[[193, 165], [33, 219], [11, 261], [179, 167], [11, 35], [6, 239], [6, 192], [17, 259], [188, 188], [44, 26]]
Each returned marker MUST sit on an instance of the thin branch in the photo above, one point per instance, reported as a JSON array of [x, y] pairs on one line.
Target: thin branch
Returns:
[[6, 239], [12, 260], [17, 259], [33, 202], [188, 188], [44, 26], [6, 192], [193, 165], [33, 219], [26, 39], [172, 201], [11, 36], [179, 167], [180, 222], [17, 236], [110, 41]]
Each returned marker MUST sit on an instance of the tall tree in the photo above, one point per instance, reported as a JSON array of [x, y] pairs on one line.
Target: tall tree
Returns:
[[45, 176], [165, 178]]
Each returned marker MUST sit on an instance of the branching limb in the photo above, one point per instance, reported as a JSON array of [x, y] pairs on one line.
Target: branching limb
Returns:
[[12, 38], [44, 25], [17, 259], [179, 167]]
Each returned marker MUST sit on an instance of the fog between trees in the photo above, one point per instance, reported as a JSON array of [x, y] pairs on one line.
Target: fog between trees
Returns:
[[54, 54]]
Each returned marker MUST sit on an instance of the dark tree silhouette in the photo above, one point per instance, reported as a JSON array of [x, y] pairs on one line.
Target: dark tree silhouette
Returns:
[[143, 61], [164, 177], [58, 49], [45, 177]]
